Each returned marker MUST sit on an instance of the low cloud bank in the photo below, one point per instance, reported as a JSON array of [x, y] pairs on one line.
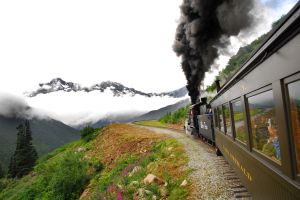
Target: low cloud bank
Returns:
[[77, 108], [13, 106]]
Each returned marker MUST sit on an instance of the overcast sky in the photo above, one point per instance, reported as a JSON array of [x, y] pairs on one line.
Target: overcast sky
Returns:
[[89, 42], [92, 41]]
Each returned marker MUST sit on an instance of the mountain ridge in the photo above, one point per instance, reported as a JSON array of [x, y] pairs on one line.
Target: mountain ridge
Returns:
[[47, 135], [157, 114], [118, 89]]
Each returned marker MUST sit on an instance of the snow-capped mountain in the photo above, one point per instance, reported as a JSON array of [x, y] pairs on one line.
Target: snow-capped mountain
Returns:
[[117, 89], [78, 105]]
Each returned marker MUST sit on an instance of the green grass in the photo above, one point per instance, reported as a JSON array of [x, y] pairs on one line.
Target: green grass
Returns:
[[61, 174], [61, 178], [116, 181], [176, 117], [66, 172], [153, 123], [59, 150]]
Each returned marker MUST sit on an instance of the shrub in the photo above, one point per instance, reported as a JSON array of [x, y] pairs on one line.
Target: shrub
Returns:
[[64, 178], [176, 117], [88, 133], [96, 164], [98, 167], [2, 174]]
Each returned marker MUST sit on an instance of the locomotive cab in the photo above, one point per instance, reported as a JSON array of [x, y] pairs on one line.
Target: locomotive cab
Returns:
[[205, 122]]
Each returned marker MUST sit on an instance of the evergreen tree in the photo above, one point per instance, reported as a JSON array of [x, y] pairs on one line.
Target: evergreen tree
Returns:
[[12, 168], [1, 172], [24, 158], [31, 150]]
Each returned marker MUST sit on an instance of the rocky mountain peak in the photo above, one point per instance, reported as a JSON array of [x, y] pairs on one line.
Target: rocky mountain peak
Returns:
[[116, 88]]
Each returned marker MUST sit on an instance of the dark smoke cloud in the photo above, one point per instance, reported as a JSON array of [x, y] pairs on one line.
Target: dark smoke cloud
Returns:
[[15, 107], [204, 27]]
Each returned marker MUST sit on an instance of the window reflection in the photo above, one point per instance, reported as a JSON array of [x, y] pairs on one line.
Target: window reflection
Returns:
[[203, 109], [264, 128], [294, 94], [239, 124], [216, 118], [227, 119], [221, 122]]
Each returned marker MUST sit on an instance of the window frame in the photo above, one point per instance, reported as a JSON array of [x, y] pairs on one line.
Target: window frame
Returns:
[[244, 119], [220, 107], [253, 150], [216, 117], [230, 117], [286, 82]]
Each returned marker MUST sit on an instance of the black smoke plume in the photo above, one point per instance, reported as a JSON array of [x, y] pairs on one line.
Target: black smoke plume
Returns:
[[205, 26]]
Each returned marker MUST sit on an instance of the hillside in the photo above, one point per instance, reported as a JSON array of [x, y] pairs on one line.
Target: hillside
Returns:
[[116, 163], [115, 118], [152, 115], [47, 135], [157, 114], [171, 120]]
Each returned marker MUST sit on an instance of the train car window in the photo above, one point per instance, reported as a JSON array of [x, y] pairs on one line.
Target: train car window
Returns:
[[239, 123], [203, 109], [227, 118], [220, 119], [216, 118], [294, 96], [263, 125]]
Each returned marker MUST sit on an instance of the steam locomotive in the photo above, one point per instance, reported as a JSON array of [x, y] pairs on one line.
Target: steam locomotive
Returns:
[[254, 120]]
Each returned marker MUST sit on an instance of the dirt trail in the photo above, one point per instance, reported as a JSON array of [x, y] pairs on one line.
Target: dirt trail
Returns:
[[209, 171]]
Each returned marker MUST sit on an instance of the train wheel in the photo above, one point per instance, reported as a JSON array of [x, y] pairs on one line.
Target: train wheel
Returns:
[[218, 152]]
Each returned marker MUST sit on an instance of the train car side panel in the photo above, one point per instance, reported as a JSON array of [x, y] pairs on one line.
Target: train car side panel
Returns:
[[261, 182], [205, 126]]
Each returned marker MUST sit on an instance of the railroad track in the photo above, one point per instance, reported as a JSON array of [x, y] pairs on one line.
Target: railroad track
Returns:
[[239, 191]]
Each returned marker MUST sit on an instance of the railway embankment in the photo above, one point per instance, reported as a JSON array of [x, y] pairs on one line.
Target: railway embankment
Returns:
[[119, 161], [211, 177], [125, 161]]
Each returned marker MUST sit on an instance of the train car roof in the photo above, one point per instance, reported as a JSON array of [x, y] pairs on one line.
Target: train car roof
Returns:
[[272, 43], [196, 104]]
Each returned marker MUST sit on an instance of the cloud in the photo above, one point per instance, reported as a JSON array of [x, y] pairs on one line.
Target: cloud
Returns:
[[278, 4], [80, 108], [13, 106], [77, 108]]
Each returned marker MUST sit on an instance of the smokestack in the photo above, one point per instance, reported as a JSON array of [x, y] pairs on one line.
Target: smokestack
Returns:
[[217, 82], [205, 26], [204, 100]]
